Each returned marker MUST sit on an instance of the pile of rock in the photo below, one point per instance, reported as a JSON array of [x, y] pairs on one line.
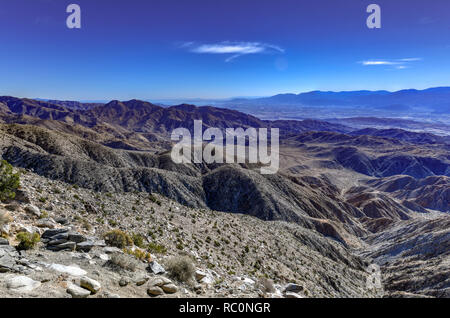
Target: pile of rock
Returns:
[[63, 239], [12, 261], [8, 257]]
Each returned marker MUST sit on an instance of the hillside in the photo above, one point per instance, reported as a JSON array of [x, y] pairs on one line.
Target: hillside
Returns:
[[340, 199]]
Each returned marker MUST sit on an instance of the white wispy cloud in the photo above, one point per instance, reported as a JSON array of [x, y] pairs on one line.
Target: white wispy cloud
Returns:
[[378, 63], [411, 59], [234, 49], [397, 63]]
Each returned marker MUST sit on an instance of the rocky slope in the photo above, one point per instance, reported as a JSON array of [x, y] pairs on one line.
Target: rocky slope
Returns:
[[230, 262]]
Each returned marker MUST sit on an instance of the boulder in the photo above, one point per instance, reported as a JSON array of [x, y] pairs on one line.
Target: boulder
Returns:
[[60, 236], [159, 281], [90, 284], [71, 270], [5, 228], [154, 291], [156, 268], [32, 209], [27, 228], [77, 291], [291, 287], [85, 246], [7, 263], [52, 232], [124, 282], [22, 284], [208, 280], [104, 257], [3, 241], [199, 275], [76, 237], [46, 223], [61, 220], [141, 280], [57, 241], [61, 247], [112, 250], [169, 288]]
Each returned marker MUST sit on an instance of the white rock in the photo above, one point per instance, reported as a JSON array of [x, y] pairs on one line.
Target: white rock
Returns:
[[199, 275], [248, 281], [156, 268], [5, 228], [25, 228], [80, 255], [77, 291], [104, 257], [208, 280], [22, 284], [71, 270], [111, 250]]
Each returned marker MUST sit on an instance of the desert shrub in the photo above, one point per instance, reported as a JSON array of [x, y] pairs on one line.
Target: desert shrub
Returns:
[[139, 254], [9, 181], [266, 285], [44, 214], [181, 268], [5, 218], [138, 240], [156, 248], [154, 199], [122, 261], [27, 240], [118, 239]]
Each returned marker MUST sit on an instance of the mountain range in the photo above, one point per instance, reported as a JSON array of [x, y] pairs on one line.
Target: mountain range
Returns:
[[433, 99], [351, 188]]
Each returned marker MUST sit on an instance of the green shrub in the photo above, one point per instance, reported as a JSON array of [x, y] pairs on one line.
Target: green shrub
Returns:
[[27, 240], [180, 268], [118, 239], [44, 214], [9, 181], [156, 248], [138, 240]]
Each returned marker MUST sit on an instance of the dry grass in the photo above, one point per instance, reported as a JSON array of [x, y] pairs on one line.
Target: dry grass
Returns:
[[122, 261], [181, 268], [5, 218]]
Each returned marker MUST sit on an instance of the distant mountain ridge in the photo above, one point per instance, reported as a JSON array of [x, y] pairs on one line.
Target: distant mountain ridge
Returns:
[[144, 117], [436, 99]]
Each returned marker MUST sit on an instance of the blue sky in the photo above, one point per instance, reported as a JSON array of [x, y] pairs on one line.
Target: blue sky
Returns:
[[161, 49]]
